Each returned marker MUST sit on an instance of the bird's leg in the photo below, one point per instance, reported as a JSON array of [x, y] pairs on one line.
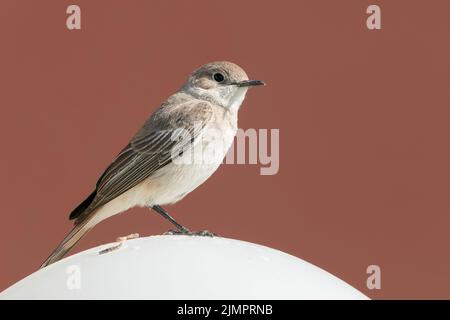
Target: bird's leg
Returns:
[[180, 229], [166, 215]]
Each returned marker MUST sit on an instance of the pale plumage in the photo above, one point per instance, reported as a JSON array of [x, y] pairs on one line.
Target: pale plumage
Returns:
[[179, 147]]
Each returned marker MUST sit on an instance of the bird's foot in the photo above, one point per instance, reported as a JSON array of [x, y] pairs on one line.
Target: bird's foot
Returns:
[[187, 232], [205, 233]]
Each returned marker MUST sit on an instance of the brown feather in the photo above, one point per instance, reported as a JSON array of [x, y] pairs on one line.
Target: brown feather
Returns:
[[78, 232]]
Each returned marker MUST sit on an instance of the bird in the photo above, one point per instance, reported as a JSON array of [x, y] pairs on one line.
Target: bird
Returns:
[[176, 150]]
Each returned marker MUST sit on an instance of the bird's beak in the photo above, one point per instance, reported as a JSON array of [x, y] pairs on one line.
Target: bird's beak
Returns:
[[250, 83]]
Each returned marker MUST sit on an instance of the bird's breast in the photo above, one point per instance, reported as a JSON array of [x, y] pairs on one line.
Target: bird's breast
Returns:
[[186, 172]]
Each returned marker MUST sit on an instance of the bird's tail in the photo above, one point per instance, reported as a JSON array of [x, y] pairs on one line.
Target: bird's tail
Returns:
[[80, 229]]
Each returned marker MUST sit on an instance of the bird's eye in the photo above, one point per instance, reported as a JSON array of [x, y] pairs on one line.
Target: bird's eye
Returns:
[[218, 77]]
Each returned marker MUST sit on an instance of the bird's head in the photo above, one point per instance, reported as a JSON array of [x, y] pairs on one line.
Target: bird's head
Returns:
[[222, 83]]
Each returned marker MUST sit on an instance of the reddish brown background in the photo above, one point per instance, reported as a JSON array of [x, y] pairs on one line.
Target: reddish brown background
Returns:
[[363, 118]]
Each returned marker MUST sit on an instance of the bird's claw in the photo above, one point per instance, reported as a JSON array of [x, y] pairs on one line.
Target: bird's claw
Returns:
[[187, 232], [205, 233]]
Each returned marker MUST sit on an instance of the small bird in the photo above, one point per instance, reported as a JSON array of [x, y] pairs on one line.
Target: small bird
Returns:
[[177, 149]]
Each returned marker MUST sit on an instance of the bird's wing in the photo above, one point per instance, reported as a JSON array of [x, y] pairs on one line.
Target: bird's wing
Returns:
[[171, 131]]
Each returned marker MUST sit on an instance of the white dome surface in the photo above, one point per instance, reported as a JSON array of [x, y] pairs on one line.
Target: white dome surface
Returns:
[[182, 267]]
